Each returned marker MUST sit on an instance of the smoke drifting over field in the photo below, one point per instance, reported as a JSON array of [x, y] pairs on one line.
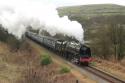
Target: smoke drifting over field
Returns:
[[16, 15]]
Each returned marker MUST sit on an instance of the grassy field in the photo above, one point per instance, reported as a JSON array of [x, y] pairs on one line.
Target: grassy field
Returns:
[[88, 11]]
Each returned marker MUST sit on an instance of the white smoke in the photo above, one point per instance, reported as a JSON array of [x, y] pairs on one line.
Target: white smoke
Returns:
[[16, 15]]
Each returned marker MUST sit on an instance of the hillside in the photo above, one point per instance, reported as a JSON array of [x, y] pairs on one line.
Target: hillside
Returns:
[[88, 11]]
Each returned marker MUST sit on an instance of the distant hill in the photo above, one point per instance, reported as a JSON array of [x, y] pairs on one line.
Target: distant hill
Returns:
[[88, 15], [88, 11]]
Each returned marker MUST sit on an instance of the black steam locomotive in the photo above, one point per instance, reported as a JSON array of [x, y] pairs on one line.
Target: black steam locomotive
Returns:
[[73, 51]]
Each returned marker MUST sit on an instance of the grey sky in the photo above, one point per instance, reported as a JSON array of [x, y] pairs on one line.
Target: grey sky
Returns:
[[83, 2]]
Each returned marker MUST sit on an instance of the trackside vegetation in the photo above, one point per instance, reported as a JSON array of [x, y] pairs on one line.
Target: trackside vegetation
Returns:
[[45, 59], [64, 69], [10, 39]]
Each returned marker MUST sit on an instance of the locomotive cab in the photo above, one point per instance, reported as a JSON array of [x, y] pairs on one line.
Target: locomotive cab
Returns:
[[85, 54]]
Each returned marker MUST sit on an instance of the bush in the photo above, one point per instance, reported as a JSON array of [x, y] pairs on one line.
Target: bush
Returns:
[[9, 39], [13, 42], [64, 69], [93, 63], [46, 59]]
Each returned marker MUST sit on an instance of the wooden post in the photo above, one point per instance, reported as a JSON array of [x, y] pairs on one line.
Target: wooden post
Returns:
[[77, 81]]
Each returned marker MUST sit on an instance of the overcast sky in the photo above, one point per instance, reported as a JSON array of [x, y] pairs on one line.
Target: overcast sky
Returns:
[[83, 2]]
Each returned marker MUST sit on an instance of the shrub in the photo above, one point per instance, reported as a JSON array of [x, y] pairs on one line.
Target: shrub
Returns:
[[64, 69], [13, 42], [46, 59], [93, 63], [10, 39]]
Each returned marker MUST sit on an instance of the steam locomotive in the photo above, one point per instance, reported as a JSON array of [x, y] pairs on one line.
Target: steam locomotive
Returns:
[[73, 51]]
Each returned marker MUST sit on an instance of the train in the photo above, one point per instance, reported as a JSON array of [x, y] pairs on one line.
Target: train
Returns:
[[74, 51]]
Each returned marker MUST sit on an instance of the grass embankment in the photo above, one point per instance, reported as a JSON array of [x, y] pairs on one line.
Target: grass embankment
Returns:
[[24, 67], [27, 65], [114, 68]]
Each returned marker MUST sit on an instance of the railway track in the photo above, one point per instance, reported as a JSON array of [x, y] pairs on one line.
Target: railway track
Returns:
[[103, 75]]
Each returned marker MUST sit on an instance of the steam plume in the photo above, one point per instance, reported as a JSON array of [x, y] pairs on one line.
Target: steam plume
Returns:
[[16, 15]]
